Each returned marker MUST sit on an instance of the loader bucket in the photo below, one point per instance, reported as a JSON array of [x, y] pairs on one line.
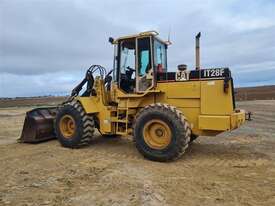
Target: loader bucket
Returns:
[[38, 125]]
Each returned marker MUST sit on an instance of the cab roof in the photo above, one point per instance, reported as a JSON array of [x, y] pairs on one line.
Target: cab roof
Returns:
[[142, 34]]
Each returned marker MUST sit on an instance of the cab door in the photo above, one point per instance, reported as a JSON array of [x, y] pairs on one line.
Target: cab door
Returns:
[[126, 63], [144, 64]]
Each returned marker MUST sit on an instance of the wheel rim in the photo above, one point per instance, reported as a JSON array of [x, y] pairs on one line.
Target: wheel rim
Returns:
[[157, 134], [67, 126]]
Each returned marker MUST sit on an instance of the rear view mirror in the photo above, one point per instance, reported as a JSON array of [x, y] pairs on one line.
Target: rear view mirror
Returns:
[[111, 40]]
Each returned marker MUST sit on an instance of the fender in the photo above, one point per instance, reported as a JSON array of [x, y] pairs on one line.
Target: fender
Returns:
[[90, 104]]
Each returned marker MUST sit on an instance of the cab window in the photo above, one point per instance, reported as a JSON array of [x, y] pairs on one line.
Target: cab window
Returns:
[[160, 56], [144, 63], [127, 57], [126, 71], [145, 70]]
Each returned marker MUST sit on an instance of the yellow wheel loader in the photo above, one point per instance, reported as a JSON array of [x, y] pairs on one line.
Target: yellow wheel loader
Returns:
[[164, 111]]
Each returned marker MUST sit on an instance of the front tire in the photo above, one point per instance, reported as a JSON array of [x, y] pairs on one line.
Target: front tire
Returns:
[[74, 128], [161, 132]]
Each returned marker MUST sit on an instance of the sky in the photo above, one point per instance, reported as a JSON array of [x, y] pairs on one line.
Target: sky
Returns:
[[46, 46]]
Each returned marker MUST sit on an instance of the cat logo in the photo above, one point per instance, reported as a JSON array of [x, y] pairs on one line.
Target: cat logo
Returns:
[[182, 75]]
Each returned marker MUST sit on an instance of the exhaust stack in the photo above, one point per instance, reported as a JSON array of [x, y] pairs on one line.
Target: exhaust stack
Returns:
[[198, 51]]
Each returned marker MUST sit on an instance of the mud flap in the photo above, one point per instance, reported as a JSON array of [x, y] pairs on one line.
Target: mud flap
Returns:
[[38, 125]]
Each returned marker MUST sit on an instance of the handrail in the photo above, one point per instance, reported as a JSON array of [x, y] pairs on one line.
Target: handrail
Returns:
[[155, 33]]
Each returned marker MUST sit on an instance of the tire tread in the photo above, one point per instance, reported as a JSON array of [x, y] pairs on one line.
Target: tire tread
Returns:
[[180, 123]]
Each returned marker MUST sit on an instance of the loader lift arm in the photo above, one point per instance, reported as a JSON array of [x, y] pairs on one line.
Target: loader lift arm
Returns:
[[89, 79], [39, 122]]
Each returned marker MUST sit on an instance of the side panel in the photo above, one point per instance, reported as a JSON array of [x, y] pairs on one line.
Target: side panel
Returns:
[[185, 96], [219, 123], [206, 105], [214, 100], [180, 90]]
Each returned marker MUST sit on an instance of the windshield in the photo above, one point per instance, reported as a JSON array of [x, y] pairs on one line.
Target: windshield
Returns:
[[127, 57]]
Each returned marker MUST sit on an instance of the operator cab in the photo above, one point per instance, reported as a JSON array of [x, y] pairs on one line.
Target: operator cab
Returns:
[[137, 60]]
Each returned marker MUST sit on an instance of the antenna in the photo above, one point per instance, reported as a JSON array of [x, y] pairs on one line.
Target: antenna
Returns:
[[169, 33]]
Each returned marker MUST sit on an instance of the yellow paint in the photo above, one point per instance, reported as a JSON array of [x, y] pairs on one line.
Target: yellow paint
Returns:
[[157, 134], [67, 126], [90, 104], [142, 34], [214, 101], [98, 106], [237, 119], [205, 104], [180, 90], [219, 123]]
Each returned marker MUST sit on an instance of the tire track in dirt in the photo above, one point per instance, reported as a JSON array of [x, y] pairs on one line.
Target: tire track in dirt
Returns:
[[188, 161], [234, 168], [196, 157]]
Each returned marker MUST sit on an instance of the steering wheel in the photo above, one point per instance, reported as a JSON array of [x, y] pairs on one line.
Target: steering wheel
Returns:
[[108, 77], [130, 69]]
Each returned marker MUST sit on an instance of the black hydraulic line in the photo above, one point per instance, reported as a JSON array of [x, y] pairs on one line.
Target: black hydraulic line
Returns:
[[89, 79]]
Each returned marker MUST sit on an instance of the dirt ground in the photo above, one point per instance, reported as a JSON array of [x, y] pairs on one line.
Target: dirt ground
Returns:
[[235, 168]]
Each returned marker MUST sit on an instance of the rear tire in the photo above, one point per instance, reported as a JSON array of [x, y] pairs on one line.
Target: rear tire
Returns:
[[193, 138], [168, 136], [78, 135]]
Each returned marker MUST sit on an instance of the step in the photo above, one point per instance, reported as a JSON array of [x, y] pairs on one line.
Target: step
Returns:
[[114, 119], [122, 133]]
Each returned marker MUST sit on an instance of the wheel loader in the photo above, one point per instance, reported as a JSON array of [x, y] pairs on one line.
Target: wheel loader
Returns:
[[163, 110]]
